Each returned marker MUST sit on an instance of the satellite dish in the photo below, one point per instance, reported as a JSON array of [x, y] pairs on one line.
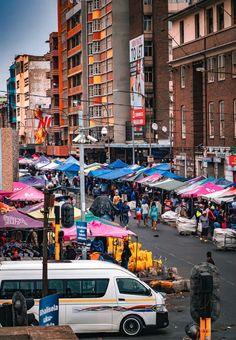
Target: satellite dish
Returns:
[[154, 126], [164, 129]]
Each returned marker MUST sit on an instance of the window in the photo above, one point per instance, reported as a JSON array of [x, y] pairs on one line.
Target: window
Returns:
[[222, 118], [74, 61], [234, 118], [26, 81], [197, 26], [90, 7], [109, 42], [181, 32], [211, 69], [75, 101], [75, 20], [96, 46], [90, 70], [209, 18], [97, 112], [96, 68], [109, 65], [147, 23], [149, 100], [182, 76], [97, 90], [183, 122], [132, 287], [147, 2], [27, 96], [86, 288], [90, 27], [148, 73], [211, 119], [75, 80], [74, 41], [18, 98], [109, 87], [18, 84], [90, 49], [234, 64], [148, 46], [96, 4], [220, 16], [96, 25], [26, 67], [221, 67]]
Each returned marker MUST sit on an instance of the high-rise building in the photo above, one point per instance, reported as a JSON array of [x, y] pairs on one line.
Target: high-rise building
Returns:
[[204, 77], [31, 87], [11, 96], [93, 55]]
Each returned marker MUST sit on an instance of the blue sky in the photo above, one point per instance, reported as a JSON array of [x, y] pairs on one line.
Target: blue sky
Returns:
[[24, 27]]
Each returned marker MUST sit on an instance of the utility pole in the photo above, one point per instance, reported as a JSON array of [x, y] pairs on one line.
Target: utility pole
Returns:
[[133, 145], [47, 197]]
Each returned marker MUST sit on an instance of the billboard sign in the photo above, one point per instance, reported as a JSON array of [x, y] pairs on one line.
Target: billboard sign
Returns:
[[137, 83], [232, 160], [49, 310], [81, 228]]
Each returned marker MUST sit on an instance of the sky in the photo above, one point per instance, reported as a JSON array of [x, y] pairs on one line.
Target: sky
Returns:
[[25, 25]]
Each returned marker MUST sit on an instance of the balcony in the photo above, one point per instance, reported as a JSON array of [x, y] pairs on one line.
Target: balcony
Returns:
[[62, 150], [75, 90], [53, 129], [54, 72]]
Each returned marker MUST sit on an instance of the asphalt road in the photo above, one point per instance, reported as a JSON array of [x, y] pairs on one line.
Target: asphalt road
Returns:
[[184, 252]]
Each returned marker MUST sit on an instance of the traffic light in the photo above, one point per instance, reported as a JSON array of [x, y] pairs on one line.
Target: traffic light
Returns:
[[67, 215], [20, 306], [205, 292]]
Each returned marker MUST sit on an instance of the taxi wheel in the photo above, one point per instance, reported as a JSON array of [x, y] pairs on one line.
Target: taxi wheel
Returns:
[[132, 325]]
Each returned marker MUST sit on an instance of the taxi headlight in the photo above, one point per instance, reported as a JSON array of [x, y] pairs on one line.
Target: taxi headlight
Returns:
[[161, 308]]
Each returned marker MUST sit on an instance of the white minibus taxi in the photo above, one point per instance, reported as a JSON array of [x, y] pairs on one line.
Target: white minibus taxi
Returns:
[[95, 296]]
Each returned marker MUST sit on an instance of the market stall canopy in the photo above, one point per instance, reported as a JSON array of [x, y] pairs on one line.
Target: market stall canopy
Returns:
[[16, 220], [42, 161], [202, 190], [27, 194], [71, 168], [38, 214], [4, 208], [17, 186], [50, 166], [25, 161], [190, 186], [223, 182], [115, 174], [225, 195], [34, 181], [96, 229], [91, 167], [155, 168], [168, 184], [99, 172], [118, 164], [71, 160], [149, 179]]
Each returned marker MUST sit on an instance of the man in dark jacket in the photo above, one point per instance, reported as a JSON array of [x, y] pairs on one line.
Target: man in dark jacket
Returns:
[[125, 255]]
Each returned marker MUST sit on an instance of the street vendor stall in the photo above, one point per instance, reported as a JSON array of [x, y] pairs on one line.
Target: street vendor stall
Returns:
[[27, 194]]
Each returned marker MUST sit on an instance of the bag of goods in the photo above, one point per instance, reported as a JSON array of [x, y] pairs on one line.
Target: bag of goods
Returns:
[[186, 226], [170, 218], [225, 238]]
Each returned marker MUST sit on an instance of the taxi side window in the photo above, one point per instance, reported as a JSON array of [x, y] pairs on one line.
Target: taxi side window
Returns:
[[131, 286]]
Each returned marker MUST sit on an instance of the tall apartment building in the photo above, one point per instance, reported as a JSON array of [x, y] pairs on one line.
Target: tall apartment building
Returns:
[[31, 87], [93, 53], [11, 96], [204, 76]]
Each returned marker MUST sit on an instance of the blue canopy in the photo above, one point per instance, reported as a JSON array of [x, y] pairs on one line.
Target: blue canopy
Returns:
[[115, 174], [98, 172], [223, 182], [155, 169], [69, 167], [118, 164], [71, 160]]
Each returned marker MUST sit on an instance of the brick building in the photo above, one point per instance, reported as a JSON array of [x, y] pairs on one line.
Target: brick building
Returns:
[[204, 80]]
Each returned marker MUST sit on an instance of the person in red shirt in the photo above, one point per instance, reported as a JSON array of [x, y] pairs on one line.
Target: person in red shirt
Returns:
[[212, 219]]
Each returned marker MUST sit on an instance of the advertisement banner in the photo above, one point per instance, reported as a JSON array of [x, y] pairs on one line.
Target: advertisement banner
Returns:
[[232, 160], [137, 81], [81, 228], [42, 122], [49, 310]]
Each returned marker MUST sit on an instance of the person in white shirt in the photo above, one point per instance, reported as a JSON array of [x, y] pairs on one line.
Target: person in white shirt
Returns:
[[145, 212]]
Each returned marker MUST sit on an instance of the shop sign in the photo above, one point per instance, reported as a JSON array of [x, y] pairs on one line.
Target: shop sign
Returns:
[[49, 310], [81, 228], [207, 159], [232, 160], [217, 160]]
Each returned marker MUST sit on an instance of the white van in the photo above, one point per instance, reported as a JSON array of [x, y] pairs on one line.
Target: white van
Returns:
[[95, 296]]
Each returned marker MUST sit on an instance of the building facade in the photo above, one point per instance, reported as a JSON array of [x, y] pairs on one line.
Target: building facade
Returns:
[[11, 96], [204, 80], [3, 111], [31, 94]]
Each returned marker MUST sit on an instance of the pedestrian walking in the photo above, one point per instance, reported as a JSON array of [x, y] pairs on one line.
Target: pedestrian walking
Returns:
[[153, 213], [126, 254], [205, 226], [138, 214], [145, 211], [125, 214], [209, 258]]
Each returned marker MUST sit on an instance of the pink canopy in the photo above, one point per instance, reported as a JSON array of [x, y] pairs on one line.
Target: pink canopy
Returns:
[[16, 220], [96, 228], [27, 194], [17, 186], [149, 179], [204, 189]]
